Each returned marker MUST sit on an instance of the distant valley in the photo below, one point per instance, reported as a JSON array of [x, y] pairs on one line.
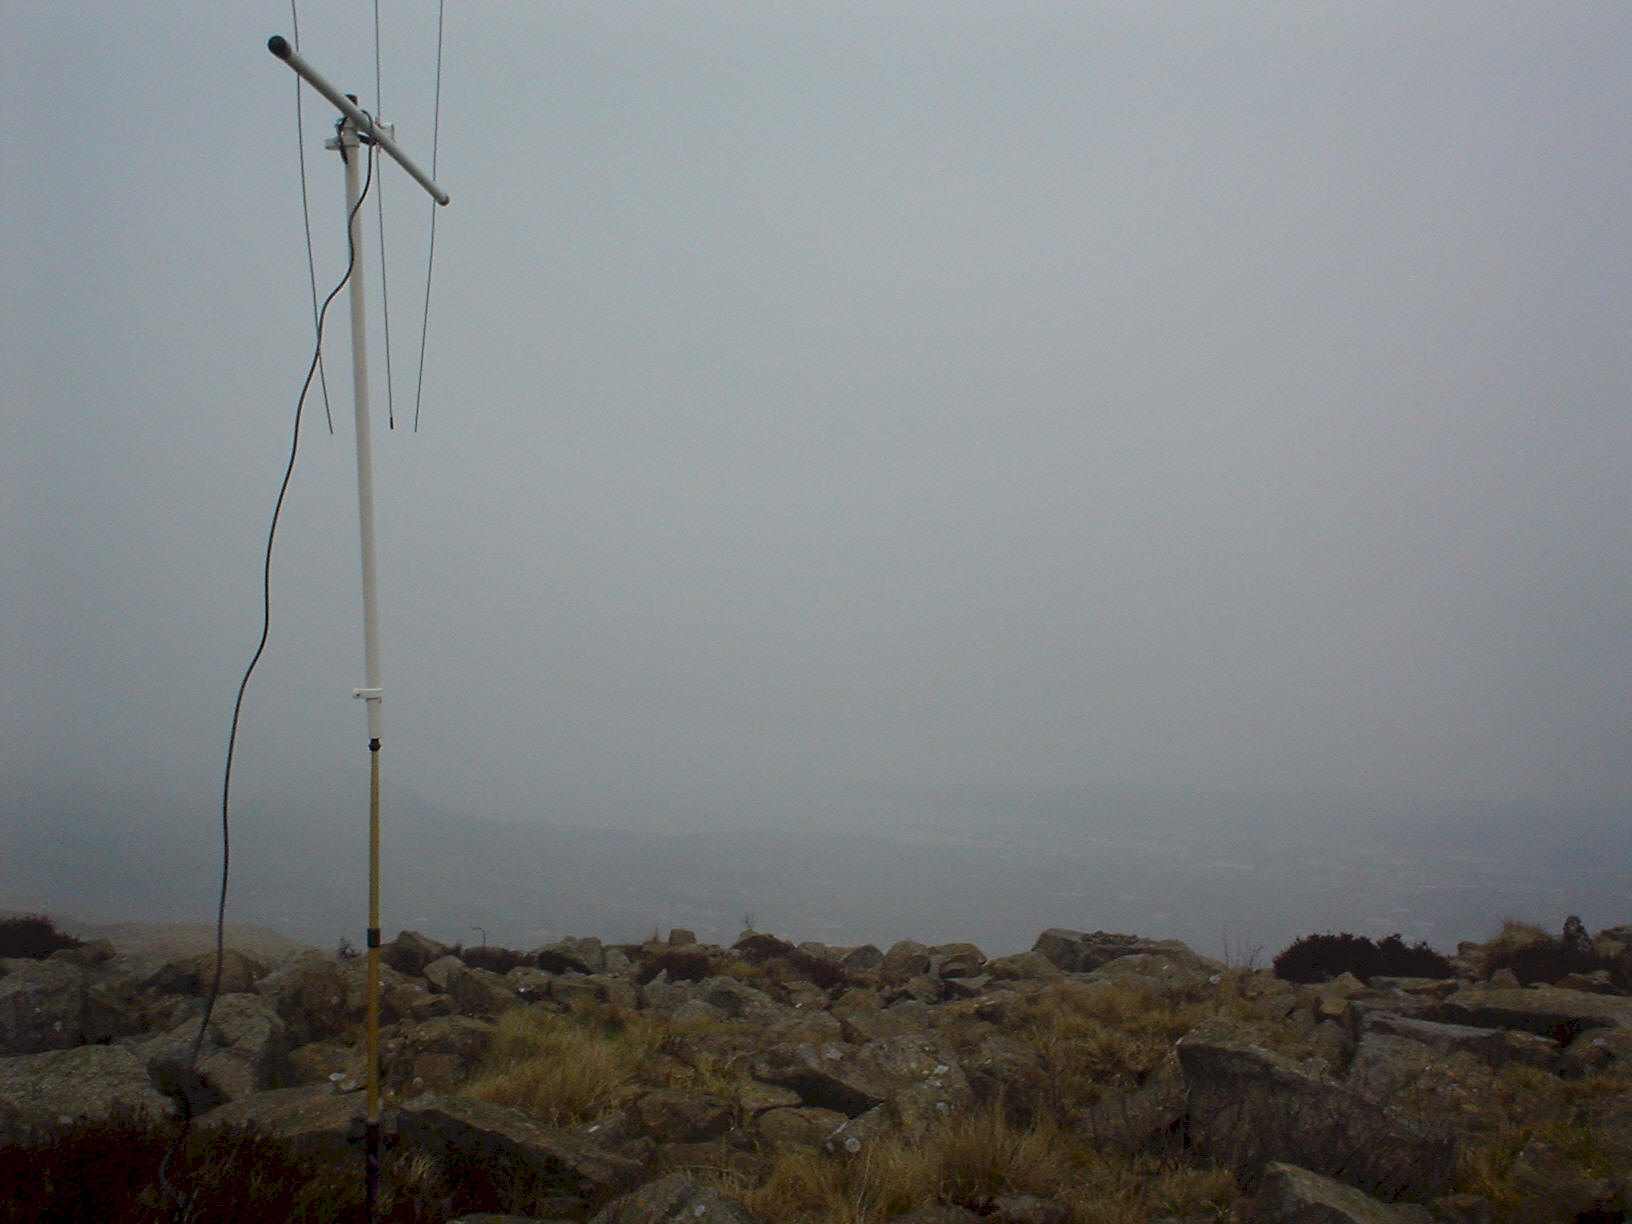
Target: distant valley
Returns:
[[1232, 880]]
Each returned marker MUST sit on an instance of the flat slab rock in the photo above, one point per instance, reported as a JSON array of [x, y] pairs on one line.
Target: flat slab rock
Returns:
[[1292, 1195], [675, 1197], [1547, 1010], [315, 1120], [1248, 1104], [456, 1127], [40, 1092]]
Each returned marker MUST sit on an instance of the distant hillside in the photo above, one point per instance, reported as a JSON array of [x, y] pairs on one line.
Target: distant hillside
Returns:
[[1227, 878]]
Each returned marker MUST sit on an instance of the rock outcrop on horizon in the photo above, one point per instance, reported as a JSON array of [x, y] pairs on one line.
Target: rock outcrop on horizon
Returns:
[[1396, 1099]]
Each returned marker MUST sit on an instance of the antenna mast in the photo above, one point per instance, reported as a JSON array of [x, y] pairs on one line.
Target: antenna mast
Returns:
[[356, 129]]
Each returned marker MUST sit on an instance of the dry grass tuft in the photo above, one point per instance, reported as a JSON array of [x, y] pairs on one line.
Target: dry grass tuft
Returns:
[[572, 1068], [1109, 1035], [569, 1068], [970, 1160]]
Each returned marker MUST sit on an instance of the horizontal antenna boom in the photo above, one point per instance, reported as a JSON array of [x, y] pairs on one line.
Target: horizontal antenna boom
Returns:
[[279, 46]]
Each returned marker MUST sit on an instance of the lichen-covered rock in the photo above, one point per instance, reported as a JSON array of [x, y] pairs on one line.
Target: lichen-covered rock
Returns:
[[1559, 1014], [1084, 951], [956, 960], [1248, 1105], [676, 1116], [831, 1075], [481, 993], [673, 1198], [798, 1126], [906, 958], [196, 975], [42, 1007], [456, 1130], [40, 1092], [313, 994], [435, 1055], [410, 952], [245, 1048], [314, 1120], [1292, 1195]]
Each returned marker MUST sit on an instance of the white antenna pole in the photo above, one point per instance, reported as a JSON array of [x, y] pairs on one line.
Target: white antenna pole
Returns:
[[356, 129]]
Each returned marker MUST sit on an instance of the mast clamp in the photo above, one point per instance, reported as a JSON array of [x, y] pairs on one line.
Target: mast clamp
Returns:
[[368, 694]]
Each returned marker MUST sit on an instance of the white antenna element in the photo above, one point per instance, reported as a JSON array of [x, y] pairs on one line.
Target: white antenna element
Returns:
[[356, 129]]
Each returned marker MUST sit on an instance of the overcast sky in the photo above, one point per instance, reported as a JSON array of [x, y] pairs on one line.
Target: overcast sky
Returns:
[[833, 402]]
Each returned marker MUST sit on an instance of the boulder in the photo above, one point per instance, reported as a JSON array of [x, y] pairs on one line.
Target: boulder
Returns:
[[42, 1007], [861, 959], [313, 1120], [1410, 1074], [737, 1000], [675, 1116], [1146, 1119], [831, 1075], [1023, 966], [481, 993], [672, 1198], [906, 958], [1545, 1010], [441, 971], [530, 983], [315, 996], [571, 955], [245, 1049], [435, 1055], [40, 1092], [956, 960], [195, 975], [410, 952], [1291, 1195], [336, 1063], [798, 1126], [457, 1131], [1493, 1046], [569, 988], [1006, 1072], [1082, 951], [1249, 1105]]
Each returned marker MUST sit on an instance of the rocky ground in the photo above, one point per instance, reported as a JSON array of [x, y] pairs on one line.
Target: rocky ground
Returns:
[[1098, 1077]]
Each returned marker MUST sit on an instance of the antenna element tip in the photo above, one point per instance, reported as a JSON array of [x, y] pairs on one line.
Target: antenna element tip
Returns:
[[279, 46]]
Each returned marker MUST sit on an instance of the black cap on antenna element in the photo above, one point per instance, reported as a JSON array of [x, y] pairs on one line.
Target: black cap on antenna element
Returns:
[[279, 46]]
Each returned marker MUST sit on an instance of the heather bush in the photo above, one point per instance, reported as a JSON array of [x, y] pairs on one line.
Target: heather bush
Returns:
[[681, 964], [780, 962], [34, 936], [109, 1171], [1317, 958]]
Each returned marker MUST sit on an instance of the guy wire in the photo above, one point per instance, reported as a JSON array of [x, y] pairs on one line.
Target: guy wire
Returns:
[[430, 259], [379, 202]]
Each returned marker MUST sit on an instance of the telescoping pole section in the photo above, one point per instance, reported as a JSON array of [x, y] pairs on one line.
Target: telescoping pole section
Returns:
[[356, 130]]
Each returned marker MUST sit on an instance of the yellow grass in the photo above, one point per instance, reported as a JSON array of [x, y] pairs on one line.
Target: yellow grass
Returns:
[[969, 1160]]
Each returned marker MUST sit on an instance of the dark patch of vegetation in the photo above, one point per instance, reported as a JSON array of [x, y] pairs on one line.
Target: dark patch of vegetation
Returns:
[[782, 961], [109, 1170], [1317, 958], [681, 964], [34, 936], [759, 948], [492, 958], [1547, 960]]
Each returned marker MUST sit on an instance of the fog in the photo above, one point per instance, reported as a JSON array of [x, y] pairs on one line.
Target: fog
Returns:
[[834, 418]]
